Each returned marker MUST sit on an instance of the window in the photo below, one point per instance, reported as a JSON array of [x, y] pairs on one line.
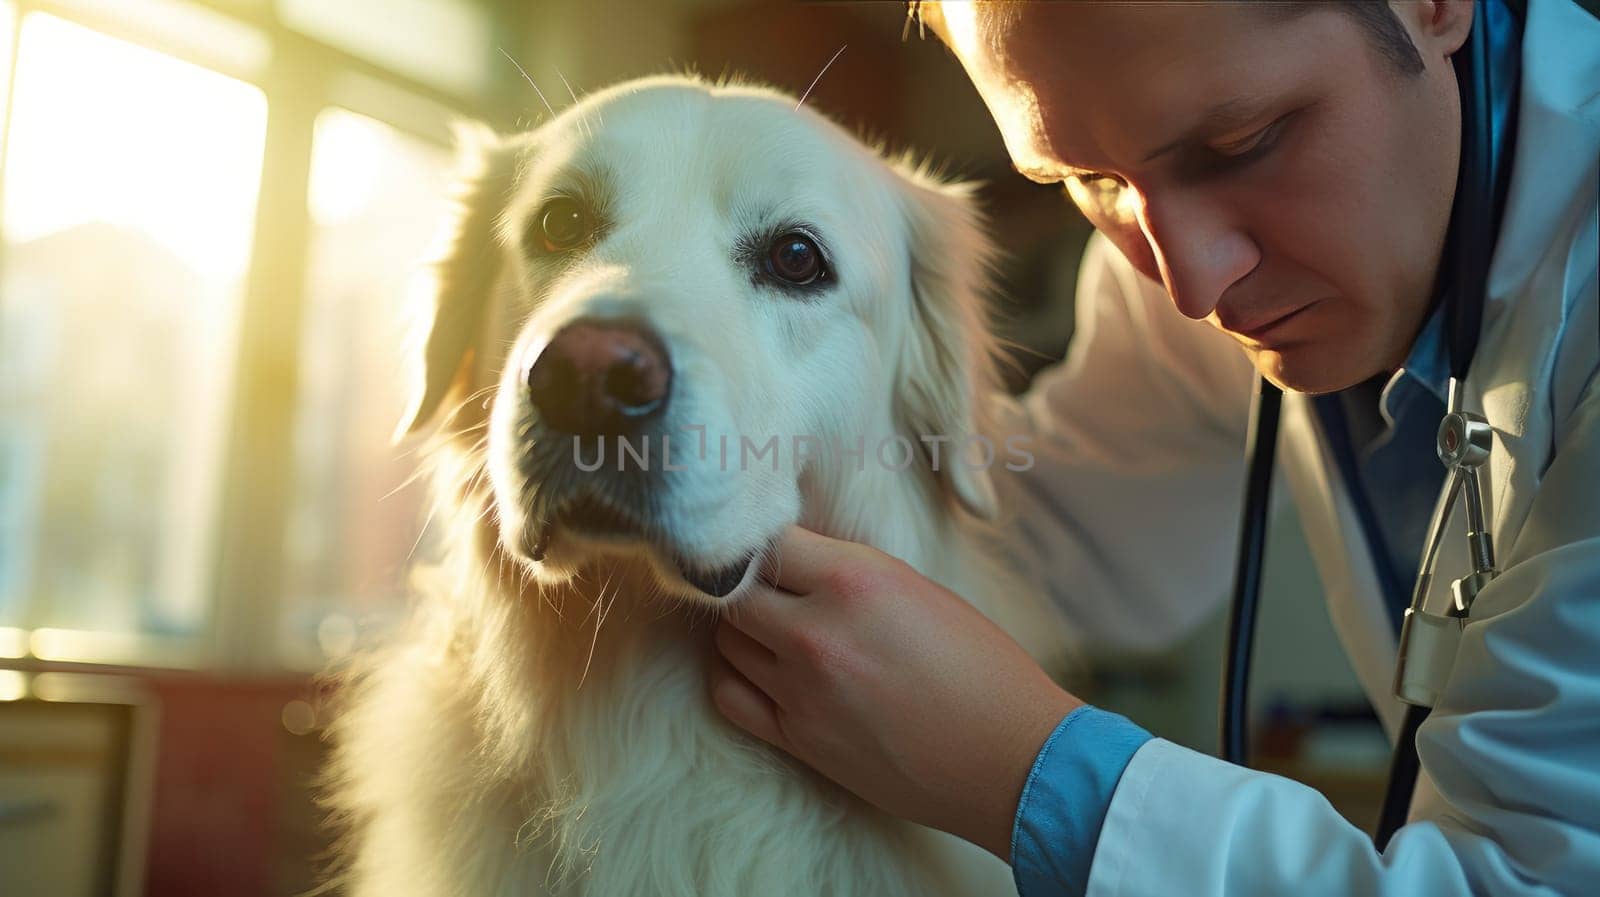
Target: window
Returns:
[[445, 42], [130, 193], [8, 15], [376, 197], [141, 355]]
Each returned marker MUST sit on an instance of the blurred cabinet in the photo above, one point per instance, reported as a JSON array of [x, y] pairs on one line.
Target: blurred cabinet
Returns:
[[73, 795]]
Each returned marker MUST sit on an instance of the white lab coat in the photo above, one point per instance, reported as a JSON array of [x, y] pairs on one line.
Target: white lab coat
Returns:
[[1129, 518]]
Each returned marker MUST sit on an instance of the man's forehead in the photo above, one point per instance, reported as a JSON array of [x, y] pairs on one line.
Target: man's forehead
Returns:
[[1000, 30], [938, 15], [1023, 62], [976, 33], [1075, 84], [963, 26]]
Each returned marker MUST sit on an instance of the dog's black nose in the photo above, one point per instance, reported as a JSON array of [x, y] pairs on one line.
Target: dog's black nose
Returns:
[[600, 377]]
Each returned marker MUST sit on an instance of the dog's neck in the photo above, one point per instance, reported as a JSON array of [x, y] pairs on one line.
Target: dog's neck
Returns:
[[902, 513], [574, 643], [591, 707]]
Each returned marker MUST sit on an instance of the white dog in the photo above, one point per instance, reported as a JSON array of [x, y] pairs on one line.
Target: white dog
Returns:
[[749, 320]]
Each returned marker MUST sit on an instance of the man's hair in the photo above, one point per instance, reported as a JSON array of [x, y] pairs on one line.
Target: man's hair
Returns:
[[1384, 31], [1375, 17]]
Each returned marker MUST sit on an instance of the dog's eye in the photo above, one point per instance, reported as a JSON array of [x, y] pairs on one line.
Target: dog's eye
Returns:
[[562, 224], [795, 258]]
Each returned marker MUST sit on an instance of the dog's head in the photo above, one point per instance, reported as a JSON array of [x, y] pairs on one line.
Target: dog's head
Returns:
[[717, 315]]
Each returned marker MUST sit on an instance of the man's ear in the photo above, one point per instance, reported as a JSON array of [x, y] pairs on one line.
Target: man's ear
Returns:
[[457, 281], [1437, 29], [946, 361]]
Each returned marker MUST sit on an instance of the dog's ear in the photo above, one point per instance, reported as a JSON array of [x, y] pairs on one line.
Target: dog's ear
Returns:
[[457, 281], [946, 364]]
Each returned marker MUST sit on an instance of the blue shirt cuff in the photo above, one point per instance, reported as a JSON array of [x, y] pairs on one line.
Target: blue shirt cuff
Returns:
[[1065, 800]]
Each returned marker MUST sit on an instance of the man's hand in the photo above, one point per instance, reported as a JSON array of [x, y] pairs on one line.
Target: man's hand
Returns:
[[889, 684]]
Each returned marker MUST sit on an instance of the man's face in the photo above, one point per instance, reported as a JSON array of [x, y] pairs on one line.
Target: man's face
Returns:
[[1285, 182]]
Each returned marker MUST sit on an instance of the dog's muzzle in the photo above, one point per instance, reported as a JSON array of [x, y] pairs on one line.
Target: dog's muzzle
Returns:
[[596, 381]]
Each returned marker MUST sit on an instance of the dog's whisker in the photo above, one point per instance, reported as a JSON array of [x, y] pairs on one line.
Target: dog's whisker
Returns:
[[610, 603], [652, 592], [672, 603], [417, 474], [500, 565], [494, 550], [446, 435], [567, 84], [421, 532], [837, 53], [582, 123], [529, 80], [475, 482], [599, 620], [594, 606], [478, 393], [526, 582], [546, 598], [483, 514]]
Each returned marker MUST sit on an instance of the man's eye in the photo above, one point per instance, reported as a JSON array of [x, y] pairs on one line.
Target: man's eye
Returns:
[[1255, 145], [1093, 189], [1100, 196], [1096, 180]]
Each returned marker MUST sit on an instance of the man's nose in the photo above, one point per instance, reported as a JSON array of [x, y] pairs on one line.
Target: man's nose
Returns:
[[600, 376], [1199, 251]]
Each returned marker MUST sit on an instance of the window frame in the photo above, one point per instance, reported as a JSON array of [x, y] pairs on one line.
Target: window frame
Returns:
[[301, 78]]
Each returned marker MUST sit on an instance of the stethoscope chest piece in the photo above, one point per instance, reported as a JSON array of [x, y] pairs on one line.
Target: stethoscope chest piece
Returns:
[[1429, 641], [1464, 440]]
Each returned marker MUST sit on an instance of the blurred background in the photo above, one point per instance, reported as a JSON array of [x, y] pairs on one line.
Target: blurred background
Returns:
[[209, 211]]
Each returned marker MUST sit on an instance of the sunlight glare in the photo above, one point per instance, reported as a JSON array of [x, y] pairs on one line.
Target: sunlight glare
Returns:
[[105, 130], [345, 176], [7, 16]]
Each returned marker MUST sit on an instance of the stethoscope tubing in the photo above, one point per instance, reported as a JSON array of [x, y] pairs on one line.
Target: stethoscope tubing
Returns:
[[1261, 448]]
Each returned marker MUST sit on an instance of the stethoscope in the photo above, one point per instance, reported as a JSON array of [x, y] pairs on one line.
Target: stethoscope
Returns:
[[1428, 640]]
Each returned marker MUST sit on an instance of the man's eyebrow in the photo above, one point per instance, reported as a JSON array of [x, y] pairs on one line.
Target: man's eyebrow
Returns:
[[1226, 115], [1223, 116]]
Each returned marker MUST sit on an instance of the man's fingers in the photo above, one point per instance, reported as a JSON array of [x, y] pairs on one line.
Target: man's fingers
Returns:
[[767, 615], [751, 659], [801, 557], [744, 705]]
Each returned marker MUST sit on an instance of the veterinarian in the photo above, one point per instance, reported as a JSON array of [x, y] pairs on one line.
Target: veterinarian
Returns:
[[1305, 182]]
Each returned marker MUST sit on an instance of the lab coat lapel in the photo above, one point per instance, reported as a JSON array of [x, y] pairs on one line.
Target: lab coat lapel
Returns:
[[1334, 534], [1544, 262]]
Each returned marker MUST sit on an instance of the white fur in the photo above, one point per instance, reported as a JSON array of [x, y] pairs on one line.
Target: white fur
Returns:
[[545, 728]]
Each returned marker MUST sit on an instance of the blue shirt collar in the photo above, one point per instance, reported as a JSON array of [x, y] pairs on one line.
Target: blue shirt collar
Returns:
[[1426, 368]]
